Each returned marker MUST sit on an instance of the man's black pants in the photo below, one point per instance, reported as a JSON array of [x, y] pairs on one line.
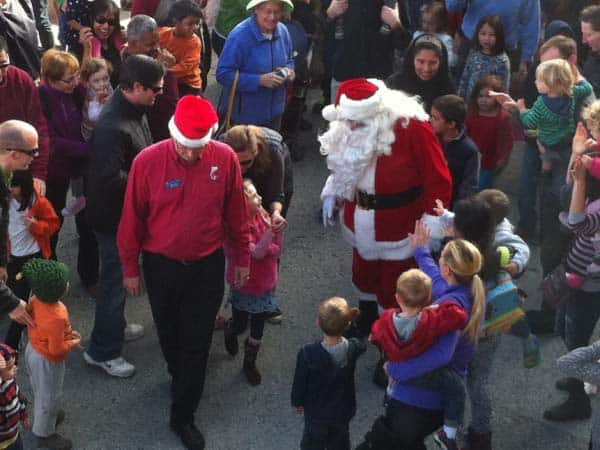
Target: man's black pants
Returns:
[[185, 298]]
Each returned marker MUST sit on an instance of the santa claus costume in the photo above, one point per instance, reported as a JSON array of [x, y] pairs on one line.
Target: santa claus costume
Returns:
[[387, 169]]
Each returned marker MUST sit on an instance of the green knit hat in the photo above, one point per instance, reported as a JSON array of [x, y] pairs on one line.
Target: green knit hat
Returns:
[[48, 279]]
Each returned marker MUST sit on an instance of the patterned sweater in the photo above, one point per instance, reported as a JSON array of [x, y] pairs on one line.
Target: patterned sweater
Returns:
[[13, 406], [480, 65], [554, 127], [586, 228], [583, 363]]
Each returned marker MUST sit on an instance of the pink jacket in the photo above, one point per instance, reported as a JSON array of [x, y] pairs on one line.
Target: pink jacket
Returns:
[[265, 250], [97, 45]]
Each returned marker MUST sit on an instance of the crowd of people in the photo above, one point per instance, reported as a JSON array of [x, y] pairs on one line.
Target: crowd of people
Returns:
[[423, 102]]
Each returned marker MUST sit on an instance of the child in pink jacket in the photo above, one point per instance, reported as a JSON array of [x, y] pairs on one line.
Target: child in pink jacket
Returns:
[[257, 296]]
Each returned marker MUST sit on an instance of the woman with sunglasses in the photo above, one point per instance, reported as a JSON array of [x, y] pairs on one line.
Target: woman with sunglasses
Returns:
[[105, 37], [62, 98]]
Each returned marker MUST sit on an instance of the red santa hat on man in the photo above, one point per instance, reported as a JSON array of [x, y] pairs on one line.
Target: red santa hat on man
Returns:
[[356, 99], [194, 122]]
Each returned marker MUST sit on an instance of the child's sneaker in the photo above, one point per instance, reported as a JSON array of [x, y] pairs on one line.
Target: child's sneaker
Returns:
[[75, 207], [444, 442], [590, 389], [531, 352]]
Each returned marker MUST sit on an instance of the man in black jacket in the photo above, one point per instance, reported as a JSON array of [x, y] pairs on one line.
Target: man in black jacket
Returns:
[[121, 133], [18, 148], [590, 30]]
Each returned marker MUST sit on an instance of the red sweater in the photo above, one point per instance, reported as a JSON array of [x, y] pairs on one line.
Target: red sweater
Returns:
[[19, 99], [180, 211], [493, 136], [434, 322]]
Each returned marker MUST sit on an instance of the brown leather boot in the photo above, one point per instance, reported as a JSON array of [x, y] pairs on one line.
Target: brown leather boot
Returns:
[[250, 353]]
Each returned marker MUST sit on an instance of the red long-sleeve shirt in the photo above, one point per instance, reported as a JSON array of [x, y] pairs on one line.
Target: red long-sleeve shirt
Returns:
[[180, 211], [493, 136]]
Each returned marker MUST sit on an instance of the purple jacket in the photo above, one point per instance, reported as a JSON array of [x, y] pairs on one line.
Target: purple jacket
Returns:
[[68, 150], [452, 349]]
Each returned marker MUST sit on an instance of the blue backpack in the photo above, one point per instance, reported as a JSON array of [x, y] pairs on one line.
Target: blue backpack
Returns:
[[502, 306]]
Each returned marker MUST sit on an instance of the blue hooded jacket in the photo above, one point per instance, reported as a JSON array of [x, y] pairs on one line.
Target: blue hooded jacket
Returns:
[[254, 54]]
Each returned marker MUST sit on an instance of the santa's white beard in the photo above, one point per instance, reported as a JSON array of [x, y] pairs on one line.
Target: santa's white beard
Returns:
[[350, 152]]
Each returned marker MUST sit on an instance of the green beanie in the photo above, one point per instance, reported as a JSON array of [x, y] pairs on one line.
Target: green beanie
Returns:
[[47, 278]]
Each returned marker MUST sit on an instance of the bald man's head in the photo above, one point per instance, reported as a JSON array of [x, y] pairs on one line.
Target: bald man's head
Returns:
[[16, 134]]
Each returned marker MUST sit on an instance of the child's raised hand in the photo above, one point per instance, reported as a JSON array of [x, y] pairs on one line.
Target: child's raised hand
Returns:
[[580, 140], [500, 97], [420, 237], [439, 209], [586, 161], [578, 171], [521, 105]]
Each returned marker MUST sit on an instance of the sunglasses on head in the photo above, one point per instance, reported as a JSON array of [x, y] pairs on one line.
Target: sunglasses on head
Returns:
[[102, 20]]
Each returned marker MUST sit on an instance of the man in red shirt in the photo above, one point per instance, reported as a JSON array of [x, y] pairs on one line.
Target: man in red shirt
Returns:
[[183, 196]]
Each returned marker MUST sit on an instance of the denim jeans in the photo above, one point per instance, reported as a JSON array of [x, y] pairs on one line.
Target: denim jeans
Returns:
[[42, 23], [528, 181], [577, 317], [107, 337]]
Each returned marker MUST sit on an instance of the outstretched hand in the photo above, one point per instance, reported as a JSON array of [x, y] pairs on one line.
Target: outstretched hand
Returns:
[[420, 237], [580, 140], [439, 209]]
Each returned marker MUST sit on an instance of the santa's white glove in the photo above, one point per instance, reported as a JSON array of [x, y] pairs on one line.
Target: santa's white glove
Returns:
[[329, 207]]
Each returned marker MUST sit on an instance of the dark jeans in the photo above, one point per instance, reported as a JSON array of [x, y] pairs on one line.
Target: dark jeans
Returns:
[[319, 436], [17, 445], [403, 427], [42, 23], [577, 317], [21, 289], [452, 385], [185, 299], [240, 323], [107, 338], [87, 253], [217, 42], [528, 182]]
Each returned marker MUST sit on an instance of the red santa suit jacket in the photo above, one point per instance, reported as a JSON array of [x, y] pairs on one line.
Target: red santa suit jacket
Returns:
[[417, 159]]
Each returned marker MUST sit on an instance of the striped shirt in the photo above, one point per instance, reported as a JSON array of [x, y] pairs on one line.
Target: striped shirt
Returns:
[[587, 233], [13, 406]]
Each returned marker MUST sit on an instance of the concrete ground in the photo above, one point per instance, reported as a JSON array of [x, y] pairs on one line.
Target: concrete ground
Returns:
[[108, 413]]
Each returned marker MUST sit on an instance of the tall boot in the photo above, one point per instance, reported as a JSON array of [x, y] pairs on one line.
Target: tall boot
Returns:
[[231, 340], [575, 407], [250, 370], [380, 378], [479, 441]]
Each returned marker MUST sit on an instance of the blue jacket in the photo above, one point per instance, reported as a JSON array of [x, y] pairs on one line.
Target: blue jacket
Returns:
[[253, 54], [453, 349], [521, 20]]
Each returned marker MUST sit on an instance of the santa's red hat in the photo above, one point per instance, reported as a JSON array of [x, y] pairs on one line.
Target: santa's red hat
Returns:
[[194, 122], [356, 99]]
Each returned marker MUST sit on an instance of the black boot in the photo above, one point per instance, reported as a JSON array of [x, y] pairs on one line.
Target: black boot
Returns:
[[567, 384], [380, 378], [541, 321], [479, 441], [231, 340], [250, 370], [575, 407]]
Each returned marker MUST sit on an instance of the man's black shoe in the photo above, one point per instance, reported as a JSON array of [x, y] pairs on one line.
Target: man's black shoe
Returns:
[[576, 407], [568, 384], [190, 435], [541, 322]]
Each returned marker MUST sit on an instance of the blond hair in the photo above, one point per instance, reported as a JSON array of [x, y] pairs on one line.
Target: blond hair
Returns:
[[92, 65], [557, 75], [591, 115], [465, 261], [335, 316], [414, 287], [55, 63]]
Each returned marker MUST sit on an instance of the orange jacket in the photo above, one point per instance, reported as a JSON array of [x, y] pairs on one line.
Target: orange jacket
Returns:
[[46, 225], [52, 337]]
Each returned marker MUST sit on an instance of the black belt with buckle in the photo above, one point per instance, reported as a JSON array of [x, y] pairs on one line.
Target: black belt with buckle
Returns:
[[388, 201]]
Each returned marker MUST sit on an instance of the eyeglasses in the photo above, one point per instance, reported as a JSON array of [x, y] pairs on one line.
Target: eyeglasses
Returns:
[[155, 89], [33, 153], [102, 20], [73, 79]]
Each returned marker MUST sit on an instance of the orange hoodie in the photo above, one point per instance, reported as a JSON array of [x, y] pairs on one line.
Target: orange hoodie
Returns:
[[52, 337]]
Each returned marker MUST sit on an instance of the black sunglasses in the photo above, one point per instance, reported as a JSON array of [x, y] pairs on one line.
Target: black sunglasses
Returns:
[[155, 89], [102, 20], [33, 153]]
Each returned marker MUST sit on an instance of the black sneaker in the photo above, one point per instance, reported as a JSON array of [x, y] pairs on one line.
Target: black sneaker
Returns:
[[444, 442], [190, 435], [576, 407], [274, 317]]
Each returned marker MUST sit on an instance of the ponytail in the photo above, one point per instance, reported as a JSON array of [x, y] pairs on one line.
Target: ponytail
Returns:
[[477, 309]]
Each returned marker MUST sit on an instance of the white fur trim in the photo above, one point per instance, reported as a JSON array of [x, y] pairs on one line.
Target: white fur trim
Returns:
[[330, 113], [360, 109], [191, 143]]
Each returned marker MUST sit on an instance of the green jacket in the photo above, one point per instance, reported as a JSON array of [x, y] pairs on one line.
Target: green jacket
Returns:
[[231, 12]]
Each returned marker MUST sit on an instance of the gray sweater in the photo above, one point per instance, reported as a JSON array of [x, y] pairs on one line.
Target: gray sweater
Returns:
[[583, 363]]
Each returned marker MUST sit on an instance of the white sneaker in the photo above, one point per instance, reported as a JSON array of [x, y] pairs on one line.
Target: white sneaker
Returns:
[[117, 367], [133, 331], [590, 389]]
